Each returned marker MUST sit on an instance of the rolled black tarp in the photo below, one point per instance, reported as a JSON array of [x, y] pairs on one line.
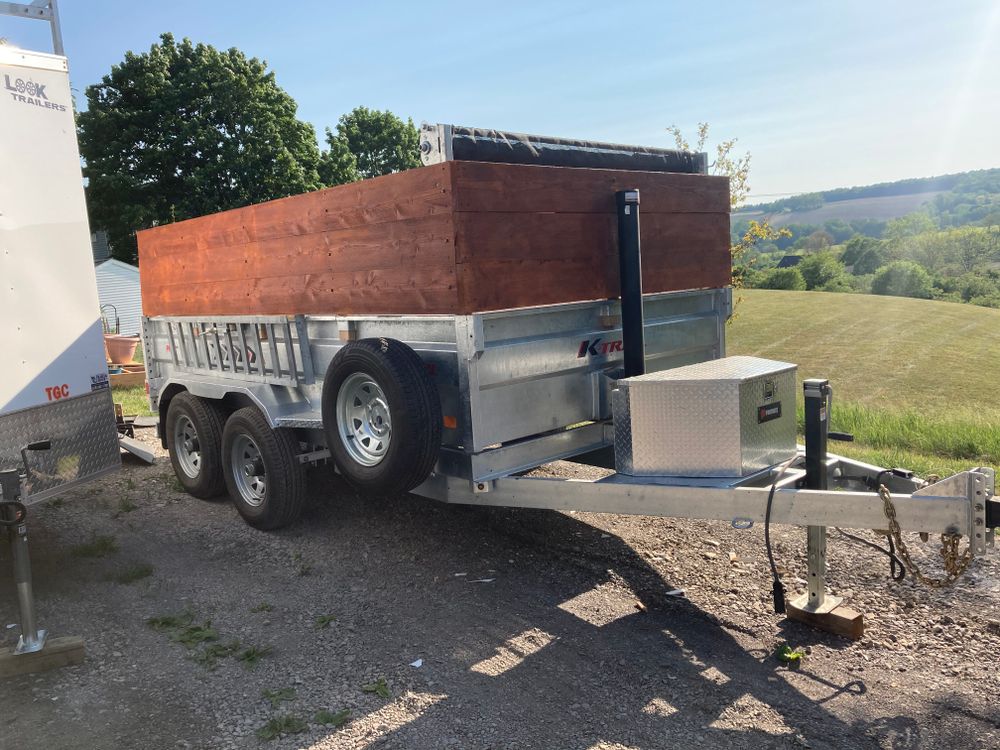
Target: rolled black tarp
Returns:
[[484, 144]]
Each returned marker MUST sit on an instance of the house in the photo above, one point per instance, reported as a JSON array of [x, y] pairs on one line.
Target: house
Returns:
[[99, 246], [789, 261], [118, 292]]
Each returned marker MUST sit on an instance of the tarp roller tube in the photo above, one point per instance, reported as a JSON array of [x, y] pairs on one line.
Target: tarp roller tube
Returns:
[[440, 143]]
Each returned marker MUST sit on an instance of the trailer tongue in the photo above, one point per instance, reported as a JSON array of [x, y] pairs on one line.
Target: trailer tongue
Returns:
[[340, 374]]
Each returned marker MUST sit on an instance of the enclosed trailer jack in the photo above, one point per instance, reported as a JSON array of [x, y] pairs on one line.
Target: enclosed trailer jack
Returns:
[[34, 650]]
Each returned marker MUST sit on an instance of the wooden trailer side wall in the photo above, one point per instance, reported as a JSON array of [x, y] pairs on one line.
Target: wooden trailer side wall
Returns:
[[451, 238], [381, 245], [529, 235]]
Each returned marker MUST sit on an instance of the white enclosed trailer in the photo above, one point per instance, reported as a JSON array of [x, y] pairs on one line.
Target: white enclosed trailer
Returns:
[[57, 422], [55, 381]]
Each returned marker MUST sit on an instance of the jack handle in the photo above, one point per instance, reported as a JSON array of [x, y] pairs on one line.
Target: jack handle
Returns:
[[38, 445]]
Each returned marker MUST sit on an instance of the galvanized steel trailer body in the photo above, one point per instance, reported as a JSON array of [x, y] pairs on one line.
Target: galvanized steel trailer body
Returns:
[[520, 388]]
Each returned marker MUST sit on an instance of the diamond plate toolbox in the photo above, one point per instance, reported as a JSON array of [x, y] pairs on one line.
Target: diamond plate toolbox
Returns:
[[726, 417]]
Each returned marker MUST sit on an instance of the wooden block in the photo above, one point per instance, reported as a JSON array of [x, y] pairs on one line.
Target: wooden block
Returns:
[[840, 620], [57, 652]]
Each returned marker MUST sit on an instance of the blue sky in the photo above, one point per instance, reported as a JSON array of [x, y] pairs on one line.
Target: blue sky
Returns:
[[823, 94]]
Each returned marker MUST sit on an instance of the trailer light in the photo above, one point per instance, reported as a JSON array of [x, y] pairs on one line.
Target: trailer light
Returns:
[[450, 422]]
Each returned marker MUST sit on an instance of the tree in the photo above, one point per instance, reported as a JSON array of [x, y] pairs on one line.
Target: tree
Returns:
[[820, 269], [337, 166], [380, 142], [902, 278], [909, 226], [872, 260], [818, 240], [784, 278], [737, 169], [185, 130], [855, 247]]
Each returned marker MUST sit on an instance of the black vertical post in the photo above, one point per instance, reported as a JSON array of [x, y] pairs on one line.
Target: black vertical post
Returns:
[[630, 272], [817, 394]]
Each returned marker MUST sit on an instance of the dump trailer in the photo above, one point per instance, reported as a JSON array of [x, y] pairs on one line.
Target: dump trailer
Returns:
[[57, 420], [446, 330]]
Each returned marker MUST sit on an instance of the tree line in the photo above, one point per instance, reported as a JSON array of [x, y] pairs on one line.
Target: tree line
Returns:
[[185, 130], [915, 257]]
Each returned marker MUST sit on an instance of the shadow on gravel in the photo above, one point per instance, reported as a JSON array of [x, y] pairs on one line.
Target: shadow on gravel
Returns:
[[557, 637]]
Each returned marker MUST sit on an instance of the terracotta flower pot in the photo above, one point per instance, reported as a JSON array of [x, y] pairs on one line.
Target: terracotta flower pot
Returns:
[[121, 349]]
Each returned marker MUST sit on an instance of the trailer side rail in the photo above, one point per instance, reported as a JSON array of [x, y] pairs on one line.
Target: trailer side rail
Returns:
[[272, 350]]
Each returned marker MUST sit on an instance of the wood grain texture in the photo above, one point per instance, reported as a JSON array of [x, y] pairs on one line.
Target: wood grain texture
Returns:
[[458, 237], [516, 188]]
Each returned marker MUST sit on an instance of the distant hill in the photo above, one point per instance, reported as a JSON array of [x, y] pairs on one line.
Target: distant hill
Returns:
[[953, 200]]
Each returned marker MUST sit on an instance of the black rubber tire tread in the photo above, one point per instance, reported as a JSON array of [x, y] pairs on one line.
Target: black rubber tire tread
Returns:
[[208, 420], [286, 483], [413, 405]]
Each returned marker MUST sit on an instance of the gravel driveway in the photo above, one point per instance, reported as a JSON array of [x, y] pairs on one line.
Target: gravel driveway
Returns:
[[446, 626]]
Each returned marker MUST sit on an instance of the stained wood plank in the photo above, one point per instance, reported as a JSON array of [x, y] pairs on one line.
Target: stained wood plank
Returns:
[[413, 194], [420, 243], [342, 293], [516, 188]]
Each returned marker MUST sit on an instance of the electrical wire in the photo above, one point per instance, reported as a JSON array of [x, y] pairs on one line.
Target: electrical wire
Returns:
[[894, 561], [778, 587]]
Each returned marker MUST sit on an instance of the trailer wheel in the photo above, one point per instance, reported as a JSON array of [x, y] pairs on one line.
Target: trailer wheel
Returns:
[[381, 415], [194, 439], [263, 475]]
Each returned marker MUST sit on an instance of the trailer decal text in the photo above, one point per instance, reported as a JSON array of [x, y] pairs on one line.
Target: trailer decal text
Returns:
[[597, 347], [29, 92], [57, 392]]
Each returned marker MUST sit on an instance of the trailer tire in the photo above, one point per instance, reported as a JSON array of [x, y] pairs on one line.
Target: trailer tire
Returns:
[[263, 475], [382, 416], [197, 459]]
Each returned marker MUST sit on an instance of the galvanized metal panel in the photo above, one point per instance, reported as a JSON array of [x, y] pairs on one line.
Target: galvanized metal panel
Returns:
[[505, 376]]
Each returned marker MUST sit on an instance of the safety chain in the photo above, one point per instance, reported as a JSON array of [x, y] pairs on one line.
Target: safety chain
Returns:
[[954, 564]]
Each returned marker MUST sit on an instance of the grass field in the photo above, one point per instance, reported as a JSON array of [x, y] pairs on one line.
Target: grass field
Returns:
[[915, 381]]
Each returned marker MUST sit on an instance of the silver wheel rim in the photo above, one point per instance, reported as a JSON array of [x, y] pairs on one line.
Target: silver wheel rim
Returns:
[[248, 470], [187, 447], [363, 419]]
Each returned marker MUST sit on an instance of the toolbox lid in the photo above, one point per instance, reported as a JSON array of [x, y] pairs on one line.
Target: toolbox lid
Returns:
[[726, 369]]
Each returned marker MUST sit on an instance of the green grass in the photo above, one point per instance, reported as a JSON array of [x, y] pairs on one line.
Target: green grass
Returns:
[[280, 725], [913, 380], [98, 546], [379, 687], [133, 573], [888, 352], [250, 657], [277, 697], [133, 400], [328, 718], [323, 621]]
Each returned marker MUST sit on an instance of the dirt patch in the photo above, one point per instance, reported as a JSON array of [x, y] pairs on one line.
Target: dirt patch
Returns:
[[447, 626]]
